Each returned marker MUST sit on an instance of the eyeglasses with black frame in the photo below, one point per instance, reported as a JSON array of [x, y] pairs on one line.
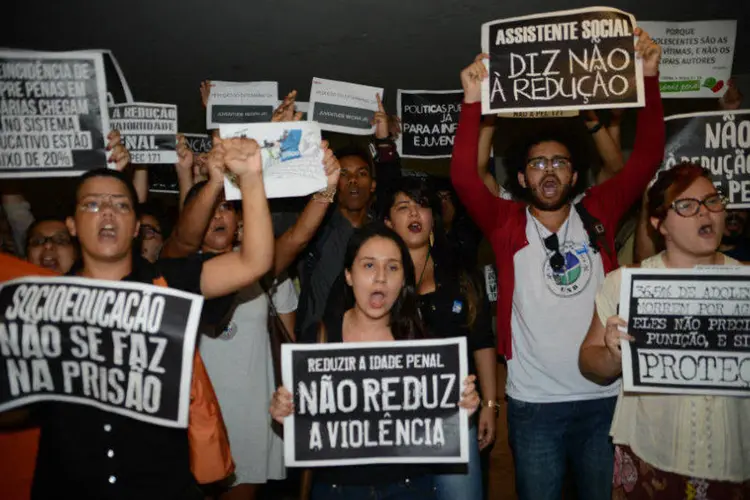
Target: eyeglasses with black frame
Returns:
[[557, 261], [542, 162], [689, 207], [58, 239]]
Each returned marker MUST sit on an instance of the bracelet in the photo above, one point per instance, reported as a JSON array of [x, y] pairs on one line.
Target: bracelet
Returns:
[[489, 403], [326, 195], [595, 128]]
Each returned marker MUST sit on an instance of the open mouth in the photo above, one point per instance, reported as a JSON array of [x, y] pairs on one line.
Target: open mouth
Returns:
[[377, 300], [354, 191], [49, 262], [219, 228], [107, 231], [549, 187], [706, 231], [415, 227]]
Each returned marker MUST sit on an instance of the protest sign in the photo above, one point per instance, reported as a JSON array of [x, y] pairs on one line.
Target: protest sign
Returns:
[[292, 158], [691, 330], [148, 131], [53, 113], [567, 60], [696, 56], [429, 119], [122, 347], [343, 107], [539, 114], [240, 102], [375, 402], [718, 141], [163, 178], [490, 282]]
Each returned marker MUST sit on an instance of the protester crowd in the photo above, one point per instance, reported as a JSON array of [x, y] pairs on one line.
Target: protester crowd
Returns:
[[379, 255]]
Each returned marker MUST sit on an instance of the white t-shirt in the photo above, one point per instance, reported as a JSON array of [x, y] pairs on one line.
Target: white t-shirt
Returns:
[[551, 316]]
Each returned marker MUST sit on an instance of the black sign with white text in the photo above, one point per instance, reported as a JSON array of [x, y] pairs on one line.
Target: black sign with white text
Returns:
[[376, 402], [691, 330], [429, 120], [148, 131], [575, 59], [718, 141], [122, 347], [53, 113], [163, 178]]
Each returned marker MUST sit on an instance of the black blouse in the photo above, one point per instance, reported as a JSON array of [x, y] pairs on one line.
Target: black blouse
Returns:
[[87, 453]]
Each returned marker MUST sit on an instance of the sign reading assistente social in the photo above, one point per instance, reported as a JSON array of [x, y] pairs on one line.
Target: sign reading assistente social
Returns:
[[122, 347], [566, 60], [691, 329], [718, 141], [376, 402]]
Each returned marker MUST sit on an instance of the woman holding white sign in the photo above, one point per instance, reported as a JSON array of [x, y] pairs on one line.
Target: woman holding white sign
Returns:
[[683, 443], [380, 272]]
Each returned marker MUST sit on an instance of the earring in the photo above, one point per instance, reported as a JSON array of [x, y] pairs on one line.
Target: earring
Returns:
[[432, 238]]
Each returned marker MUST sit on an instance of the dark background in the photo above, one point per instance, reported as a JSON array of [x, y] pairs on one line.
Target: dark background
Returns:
[[166, 48]]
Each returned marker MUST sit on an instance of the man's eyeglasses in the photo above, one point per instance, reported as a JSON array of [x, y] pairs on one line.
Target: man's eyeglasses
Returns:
[[688, 207], [59, 239], [148, 232], [557, 261], [542, 162], [94, 205]]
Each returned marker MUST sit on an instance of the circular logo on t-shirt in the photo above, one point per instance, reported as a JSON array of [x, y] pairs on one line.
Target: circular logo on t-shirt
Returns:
[[576, 275]]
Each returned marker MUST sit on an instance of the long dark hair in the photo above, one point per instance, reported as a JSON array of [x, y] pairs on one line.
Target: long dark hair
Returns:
[[441, 250], [405, 321]]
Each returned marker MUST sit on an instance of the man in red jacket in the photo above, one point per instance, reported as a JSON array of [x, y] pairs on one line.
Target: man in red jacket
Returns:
[[549, 269]]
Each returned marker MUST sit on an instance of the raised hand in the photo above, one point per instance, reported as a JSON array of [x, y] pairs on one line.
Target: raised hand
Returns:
[[214, 164], [184, 154], [120, 155], [205, 91], [331, 165], [380, 120], [242, 156], [472, 77], [649, 51], [732, 98], [285, 112]]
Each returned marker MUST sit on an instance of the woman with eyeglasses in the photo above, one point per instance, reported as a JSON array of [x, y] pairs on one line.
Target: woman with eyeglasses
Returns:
[[670, 445], [49, 245], [88, 453], [151, 235]]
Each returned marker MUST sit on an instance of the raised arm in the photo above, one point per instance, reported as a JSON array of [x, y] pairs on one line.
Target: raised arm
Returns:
[[486, 135], [184, 168], [290, 244], [607, 140], [196, 214], [619, 193], [231, 271], [483, 207]]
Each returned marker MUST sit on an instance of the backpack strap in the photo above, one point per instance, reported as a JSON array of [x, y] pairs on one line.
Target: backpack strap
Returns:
[[594, 229]]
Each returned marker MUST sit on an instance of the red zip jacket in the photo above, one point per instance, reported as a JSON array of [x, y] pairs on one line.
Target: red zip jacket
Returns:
[[503, 222]]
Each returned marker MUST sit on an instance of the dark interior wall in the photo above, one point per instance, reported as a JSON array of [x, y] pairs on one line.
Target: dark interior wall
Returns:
[[166, 48]]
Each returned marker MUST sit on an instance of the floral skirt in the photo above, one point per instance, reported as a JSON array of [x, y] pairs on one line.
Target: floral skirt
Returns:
[[635, 479]]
